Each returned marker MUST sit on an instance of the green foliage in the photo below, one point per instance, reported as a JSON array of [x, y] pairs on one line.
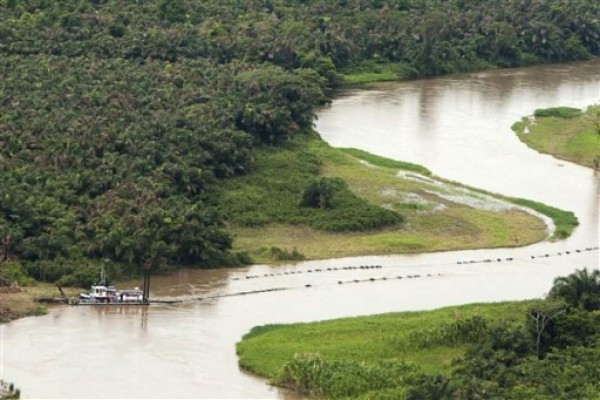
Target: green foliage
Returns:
[[574, 137], [386, 162], [285, 179], [69, 273], [320, 192], [580, 289], [453, 333], [496, 343], [279, 254], [370, 71], [311, 374], [559, 112], [15, 272], [564, 221], [12, 393], [121, 120]]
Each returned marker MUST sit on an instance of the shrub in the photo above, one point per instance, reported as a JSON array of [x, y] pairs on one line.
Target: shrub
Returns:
[[450, 334], [15, 272], [320, 192], [559, 112], [286, 255], [311, 374]]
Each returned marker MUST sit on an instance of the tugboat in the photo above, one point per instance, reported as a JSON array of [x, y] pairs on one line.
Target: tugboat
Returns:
[[103, 293]]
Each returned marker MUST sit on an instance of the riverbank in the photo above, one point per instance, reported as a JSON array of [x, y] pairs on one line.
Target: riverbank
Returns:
[[436, 214], [372, 73], [565, 133], [20, 302], [413, 338], [521, 349]]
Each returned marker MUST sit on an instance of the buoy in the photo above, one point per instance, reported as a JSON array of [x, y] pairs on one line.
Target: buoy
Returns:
[[372, 279], [339, 282], [308, 285]]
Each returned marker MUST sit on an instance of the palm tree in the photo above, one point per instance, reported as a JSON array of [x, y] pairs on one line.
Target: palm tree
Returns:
[[580, 289]]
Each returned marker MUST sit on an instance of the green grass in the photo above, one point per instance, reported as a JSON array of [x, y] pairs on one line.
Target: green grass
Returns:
[[273, 191], [263, 208], [564, 221], [386, 162], [368, 341], [559, 112], [565, 133], [370, 72]]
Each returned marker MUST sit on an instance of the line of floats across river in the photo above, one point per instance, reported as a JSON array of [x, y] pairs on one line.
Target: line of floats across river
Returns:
[[339, 282], [532, 258]]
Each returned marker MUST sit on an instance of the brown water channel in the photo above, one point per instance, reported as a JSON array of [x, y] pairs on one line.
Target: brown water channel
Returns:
[[458, 126]]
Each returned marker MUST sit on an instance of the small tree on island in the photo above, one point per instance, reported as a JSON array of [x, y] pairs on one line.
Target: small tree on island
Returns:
[[320, 192]]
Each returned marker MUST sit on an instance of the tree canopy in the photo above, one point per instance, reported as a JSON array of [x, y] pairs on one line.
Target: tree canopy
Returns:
[[118, 119]]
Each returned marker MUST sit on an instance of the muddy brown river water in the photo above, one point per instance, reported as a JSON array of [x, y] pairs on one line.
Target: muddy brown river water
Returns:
[[458, 126]]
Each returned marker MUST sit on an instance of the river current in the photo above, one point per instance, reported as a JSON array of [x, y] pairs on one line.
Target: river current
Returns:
[[457, 126]]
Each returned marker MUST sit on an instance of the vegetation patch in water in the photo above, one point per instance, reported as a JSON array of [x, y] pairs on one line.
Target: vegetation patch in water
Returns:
[[273, 192], [564, 221], [559, 112], [544, 349], [566, 133]]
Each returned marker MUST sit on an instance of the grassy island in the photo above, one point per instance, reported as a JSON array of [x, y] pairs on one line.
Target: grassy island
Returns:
[[567, 133], [264, 208], [542, 349]]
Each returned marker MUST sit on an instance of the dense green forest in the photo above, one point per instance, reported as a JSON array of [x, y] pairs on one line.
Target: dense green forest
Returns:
[[536, 349], [119, 119]]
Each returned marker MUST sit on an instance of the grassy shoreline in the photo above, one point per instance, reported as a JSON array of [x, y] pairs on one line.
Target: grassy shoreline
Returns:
[[565, 133], [439, 215], [20, 301], [369, 339]]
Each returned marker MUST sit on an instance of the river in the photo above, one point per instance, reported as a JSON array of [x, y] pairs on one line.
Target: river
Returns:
[[457, 126]]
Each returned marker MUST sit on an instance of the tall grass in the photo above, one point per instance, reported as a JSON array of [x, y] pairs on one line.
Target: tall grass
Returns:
[[313, 375], [386, 162], [369, 72], [565, 221], [559, 112], [273, 193]]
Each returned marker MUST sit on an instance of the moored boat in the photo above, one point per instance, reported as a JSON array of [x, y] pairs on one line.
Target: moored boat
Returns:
[[103, 293]]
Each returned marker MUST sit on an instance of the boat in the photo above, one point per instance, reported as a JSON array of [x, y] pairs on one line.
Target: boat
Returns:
[[103, 293], [110, 295]]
